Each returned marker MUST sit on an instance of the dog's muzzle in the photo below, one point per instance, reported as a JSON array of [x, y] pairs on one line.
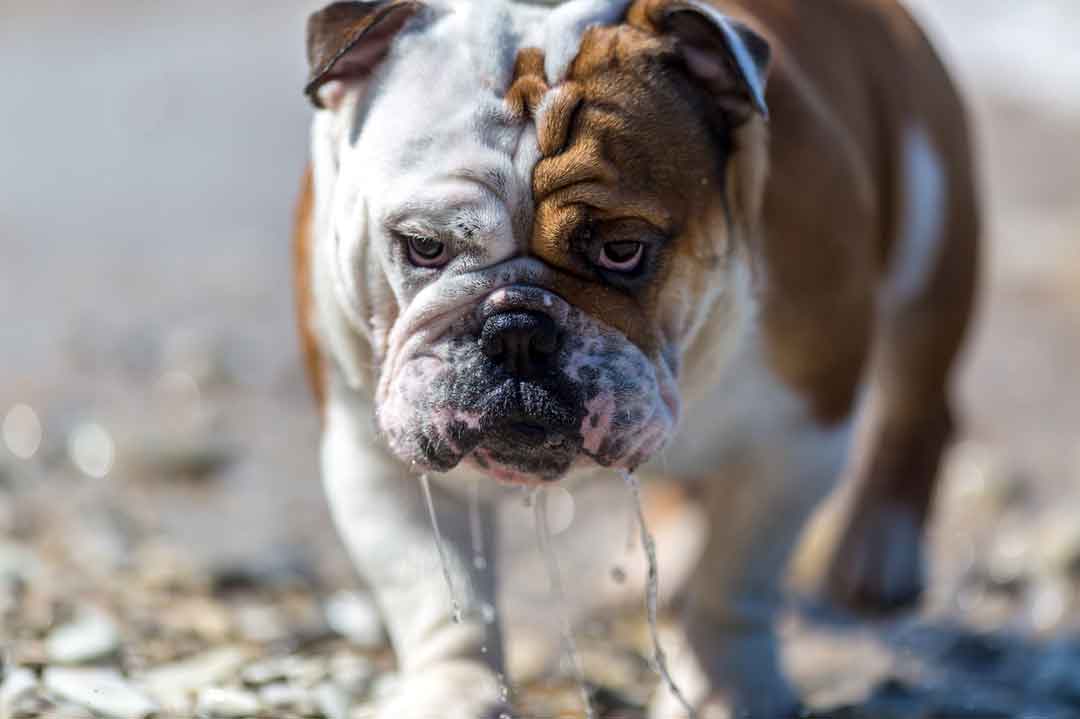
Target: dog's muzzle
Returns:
[[532, 416]]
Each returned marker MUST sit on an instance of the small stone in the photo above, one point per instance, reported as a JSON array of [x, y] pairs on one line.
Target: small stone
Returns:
[[103, 691], [19, 685], [260, 623], [1048, 603], [91, 636], [17, 562], [1058, 545], [531, 655], [608, 666], [265, 671], [1009, 561], [354, 616], [282, 696], [307, 672], [352, 673], [333, 701], [385, 685], [195, 672], [220, 702]]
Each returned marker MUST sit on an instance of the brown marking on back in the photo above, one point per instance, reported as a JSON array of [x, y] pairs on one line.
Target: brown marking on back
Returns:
[[303, 239]]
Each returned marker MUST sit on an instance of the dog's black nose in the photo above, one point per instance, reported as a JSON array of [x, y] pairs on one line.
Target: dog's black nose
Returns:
[[524, 343]]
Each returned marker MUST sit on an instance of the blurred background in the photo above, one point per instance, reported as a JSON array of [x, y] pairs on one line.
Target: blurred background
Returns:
[[159, 500]]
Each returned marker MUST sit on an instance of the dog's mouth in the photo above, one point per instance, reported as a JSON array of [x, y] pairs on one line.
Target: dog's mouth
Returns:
[[528, 431]]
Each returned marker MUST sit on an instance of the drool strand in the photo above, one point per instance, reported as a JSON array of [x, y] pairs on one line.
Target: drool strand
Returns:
[[659, 658], [476, 528], [441, 547], [543, 539]]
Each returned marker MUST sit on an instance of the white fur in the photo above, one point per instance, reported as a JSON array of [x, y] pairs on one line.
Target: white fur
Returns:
[[922, 229], [560, 36]]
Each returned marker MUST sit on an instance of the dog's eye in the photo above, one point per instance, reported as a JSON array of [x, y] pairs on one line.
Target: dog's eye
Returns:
[[426, 252], [622, 256]]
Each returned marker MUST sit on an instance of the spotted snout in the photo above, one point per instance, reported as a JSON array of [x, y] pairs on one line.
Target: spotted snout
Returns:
[[525, 387]]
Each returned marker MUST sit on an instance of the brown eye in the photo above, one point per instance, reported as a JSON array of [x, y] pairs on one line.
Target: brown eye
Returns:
[[621, 256], [426, 252]]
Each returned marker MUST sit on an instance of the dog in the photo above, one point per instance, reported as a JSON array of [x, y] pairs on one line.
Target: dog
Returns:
[[735, 239]]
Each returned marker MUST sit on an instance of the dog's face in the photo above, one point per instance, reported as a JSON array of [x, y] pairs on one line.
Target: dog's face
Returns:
[[535, 244]]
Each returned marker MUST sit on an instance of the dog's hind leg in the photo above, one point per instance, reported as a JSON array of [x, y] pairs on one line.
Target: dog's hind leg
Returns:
[[907, 419]]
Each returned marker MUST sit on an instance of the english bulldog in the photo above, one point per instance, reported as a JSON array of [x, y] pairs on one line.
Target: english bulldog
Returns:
[[614, 235]]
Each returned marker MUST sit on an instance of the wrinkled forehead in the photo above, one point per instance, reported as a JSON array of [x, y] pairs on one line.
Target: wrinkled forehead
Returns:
[[441, 118]]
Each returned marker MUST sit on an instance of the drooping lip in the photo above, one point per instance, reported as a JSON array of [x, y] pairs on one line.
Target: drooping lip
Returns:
[[524, 427]]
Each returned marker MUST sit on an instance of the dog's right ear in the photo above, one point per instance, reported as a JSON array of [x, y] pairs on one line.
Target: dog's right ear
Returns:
[[347, 40]]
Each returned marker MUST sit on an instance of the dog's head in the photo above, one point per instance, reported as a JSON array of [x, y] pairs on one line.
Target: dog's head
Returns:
[[528, 220]]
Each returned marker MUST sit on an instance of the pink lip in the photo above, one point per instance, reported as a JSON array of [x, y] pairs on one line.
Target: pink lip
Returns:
[[499, 472]]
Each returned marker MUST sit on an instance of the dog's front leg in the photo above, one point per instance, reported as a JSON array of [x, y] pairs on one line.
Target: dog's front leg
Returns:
[[772, 468], [450, 669]]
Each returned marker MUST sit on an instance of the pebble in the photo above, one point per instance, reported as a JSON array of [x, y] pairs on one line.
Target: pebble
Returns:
[[17, 562], [1058, 544], [283, 696], [265, 671], [352, 673], [261, 623], [333, 701], [220, 702], [1048, 603], [103, 691], [1009, 560], [195, 672], [18, 686], [91, 636], [354, 616]]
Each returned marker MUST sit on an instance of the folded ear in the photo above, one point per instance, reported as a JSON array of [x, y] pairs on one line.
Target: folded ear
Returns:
[[347, 40], [727, 56]]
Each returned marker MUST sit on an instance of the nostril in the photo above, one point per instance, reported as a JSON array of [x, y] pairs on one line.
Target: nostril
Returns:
[[522, 342], [545, 341]]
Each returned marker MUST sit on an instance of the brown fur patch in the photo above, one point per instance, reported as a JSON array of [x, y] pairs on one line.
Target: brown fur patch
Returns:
[[625, 154], [303, 239], [637, 139]]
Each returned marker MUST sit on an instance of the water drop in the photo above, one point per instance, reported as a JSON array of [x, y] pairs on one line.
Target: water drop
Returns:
[[441, 547], [659, 660], [476, 528]]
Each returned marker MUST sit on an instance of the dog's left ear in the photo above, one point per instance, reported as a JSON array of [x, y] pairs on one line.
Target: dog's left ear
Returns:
[[726, 56], [347, 40]]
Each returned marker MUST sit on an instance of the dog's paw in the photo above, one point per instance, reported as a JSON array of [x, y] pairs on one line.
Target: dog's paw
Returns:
[[878, 564], [453, 690]]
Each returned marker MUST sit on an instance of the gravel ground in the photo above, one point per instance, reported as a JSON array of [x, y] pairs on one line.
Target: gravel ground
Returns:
[[164, 547]]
